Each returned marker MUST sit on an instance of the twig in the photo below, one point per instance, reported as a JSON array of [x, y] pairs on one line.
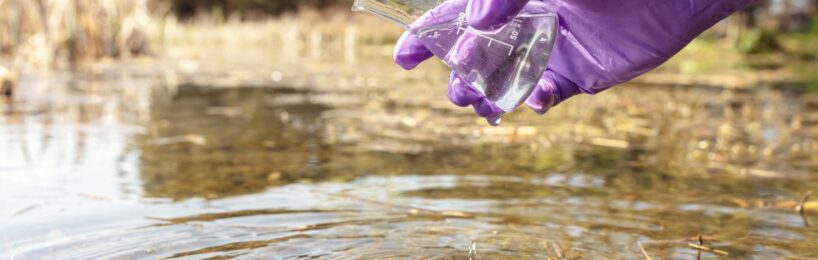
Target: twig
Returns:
[[708, 249], [804, 199], [24, 210], [800, 208], [701, 243], [557, 249], [804, 218], [645, 253], [677, 241], [553, 250]]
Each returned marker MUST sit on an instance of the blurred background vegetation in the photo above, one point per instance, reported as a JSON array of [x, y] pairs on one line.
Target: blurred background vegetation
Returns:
[[249, 9], [59, 33]]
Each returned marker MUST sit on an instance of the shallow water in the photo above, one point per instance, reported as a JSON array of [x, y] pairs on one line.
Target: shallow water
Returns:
[[101, 170]]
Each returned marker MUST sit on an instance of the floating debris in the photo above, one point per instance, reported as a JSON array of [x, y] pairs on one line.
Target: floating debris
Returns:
[[472, 250], [183, 139], [224, 111], [644, 252], [553, 250], [24, 210], [708, 249], [274, 177], [8, 81], [800, 208], [803, 202], [269, 144]]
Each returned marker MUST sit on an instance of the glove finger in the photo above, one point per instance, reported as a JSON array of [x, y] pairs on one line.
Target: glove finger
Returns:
[[550, 91], [460, 93], [463, 95], [485, 108], [409, 52], [542, 99], [487, 14]]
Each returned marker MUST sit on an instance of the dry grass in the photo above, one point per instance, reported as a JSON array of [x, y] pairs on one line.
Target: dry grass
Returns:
[[45, 33], [309, 34], [55, 33]]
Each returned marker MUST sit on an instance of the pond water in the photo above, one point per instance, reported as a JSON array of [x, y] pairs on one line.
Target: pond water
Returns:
[[122, 170]]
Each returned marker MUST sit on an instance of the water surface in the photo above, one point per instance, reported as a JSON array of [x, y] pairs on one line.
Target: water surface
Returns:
[[115, 170]]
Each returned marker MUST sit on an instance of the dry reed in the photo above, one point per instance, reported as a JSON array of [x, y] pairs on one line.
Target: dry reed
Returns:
[[45, 33]]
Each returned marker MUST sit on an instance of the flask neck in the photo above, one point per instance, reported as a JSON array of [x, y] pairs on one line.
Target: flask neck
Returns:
[[400, 12]]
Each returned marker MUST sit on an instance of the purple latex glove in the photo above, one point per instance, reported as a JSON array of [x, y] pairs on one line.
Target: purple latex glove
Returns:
[[601, 43]]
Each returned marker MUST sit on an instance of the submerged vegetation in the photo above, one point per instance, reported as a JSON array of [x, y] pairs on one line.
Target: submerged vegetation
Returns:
[[329, 171]]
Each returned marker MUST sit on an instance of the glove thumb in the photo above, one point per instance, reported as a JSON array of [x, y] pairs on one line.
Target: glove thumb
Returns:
[[551, 90], [409, 52]]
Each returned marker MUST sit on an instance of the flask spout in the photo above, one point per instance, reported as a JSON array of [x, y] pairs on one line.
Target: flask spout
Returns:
[[400, 12]]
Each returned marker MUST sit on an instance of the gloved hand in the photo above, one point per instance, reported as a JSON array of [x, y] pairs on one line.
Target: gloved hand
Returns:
[[600, 43]]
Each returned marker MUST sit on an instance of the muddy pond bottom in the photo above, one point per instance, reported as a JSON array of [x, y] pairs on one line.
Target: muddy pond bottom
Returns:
[[220, 173]]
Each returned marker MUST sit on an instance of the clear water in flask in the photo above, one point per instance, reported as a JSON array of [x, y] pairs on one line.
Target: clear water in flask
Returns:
[[503, 64]]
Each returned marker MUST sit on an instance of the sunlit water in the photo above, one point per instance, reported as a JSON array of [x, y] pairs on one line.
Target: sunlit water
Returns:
[[112, 171]]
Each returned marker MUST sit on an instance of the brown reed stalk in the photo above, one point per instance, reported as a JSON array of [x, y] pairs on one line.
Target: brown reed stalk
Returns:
[[50, 32]]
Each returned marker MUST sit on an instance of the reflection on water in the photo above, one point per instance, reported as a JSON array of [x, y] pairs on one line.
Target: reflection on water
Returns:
[[396, 172]]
